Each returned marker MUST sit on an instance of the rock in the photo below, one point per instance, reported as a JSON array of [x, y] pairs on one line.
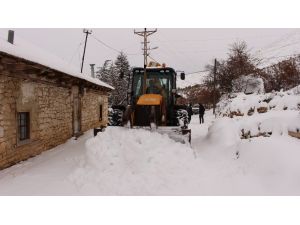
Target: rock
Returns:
[[235, 113], [294, 134], [262, 109], [251, 111]]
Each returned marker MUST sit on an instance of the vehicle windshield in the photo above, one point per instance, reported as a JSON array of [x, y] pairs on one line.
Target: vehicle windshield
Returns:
[[157, 83]]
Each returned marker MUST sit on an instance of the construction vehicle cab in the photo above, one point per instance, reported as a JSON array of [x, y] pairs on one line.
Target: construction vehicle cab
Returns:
[[152, 101], [160, 86]]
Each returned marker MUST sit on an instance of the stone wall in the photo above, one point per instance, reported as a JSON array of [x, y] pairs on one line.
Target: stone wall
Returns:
[[54, 114], [91, 102], [51, 116]]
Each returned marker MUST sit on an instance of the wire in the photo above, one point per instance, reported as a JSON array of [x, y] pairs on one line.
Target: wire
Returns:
[[106, 45], [275, 43], [218, 39], [275, 57], [153, 58], [77, 49], [200, 71]]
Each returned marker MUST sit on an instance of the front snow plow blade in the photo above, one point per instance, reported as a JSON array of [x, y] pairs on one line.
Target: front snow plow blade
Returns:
[[179, 135], [175, 133]]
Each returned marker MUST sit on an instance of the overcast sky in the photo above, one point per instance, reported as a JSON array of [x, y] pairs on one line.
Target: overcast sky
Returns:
[[183, 49]]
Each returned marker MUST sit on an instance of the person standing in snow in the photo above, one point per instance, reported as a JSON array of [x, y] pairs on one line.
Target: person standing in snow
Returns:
[[190, 111], [201, 113]]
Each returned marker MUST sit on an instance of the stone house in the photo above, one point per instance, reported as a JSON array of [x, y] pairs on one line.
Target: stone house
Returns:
[[43, 102]]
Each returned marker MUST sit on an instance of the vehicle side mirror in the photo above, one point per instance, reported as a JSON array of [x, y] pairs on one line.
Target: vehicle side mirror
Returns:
[[182, 76]]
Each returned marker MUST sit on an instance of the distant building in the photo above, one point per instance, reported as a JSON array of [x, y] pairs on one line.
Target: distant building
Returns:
[[43, 102]]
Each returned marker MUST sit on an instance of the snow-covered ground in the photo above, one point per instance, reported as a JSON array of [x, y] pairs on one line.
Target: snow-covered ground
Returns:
[[139, 162], [256, 114]]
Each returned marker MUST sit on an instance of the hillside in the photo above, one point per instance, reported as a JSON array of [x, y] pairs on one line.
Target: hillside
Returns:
[[276, 113]]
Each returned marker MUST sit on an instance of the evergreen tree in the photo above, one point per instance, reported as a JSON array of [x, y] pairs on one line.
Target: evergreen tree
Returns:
[[104, 72], [117, 75], [122, 65]]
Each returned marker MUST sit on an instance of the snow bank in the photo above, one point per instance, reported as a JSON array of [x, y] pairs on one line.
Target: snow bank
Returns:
[[242, 103], [295, 90], [271, 164], [268, 114], [134, 161], [270, 123], [224, 131], [139, 162]]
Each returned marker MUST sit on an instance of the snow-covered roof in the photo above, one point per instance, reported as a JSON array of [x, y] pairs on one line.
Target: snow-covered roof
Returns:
[[30, 52]]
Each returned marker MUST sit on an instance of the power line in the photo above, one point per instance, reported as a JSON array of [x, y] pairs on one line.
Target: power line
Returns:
[[106, 45], [200, 71], [181, 57], [283, 38], [275, 43], [75, 52], [153, 59], [275, 57]]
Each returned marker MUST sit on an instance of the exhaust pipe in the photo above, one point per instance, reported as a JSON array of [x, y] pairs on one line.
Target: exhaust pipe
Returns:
[[10, 37], [92, 70]]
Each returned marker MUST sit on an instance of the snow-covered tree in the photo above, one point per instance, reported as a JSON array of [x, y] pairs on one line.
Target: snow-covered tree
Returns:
[[117, 75], [103, 72], [122, 65]]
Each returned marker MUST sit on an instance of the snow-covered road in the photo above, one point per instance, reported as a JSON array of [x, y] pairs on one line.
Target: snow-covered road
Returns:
[[219, 163]]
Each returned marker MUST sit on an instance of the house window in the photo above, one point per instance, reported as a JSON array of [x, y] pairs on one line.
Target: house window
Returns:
[[24, 125], [100, 113]]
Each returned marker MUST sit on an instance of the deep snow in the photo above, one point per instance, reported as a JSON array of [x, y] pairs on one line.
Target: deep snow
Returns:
[[139, 162]]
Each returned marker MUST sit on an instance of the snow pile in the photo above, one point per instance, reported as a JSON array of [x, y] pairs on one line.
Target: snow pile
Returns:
[[271, 164], [271, 123], [139, 162], [224, 131], [135, 161], [240, 103], [249, 104], [295, 90], [30, 52], [268, 114]]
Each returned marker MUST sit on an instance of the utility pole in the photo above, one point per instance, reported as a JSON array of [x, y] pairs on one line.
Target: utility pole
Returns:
[[214, 95], [87, 32], [145, 35]]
